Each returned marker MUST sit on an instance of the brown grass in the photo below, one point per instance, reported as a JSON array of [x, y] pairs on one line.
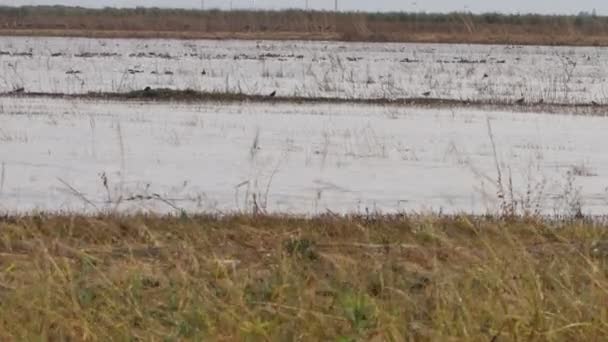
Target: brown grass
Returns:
[[258, 278], [394, 27]]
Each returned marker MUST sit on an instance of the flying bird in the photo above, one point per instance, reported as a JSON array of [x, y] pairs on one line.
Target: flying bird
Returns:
[[426, 94], [273, 94]]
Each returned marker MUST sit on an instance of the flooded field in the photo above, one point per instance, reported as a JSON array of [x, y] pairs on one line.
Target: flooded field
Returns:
[[307, 69], [79, 155]]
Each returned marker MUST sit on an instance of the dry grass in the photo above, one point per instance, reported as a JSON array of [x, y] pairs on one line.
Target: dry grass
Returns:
[[422, 278], [395, 27]]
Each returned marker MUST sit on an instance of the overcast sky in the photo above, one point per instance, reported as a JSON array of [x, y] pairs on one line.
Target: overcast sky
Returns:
[[507, 6]]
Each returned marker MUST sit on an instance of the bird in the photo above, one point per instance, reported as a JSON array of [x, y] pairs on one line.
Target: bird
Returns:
[[204, 72], [520, 101], [273, 94], [426, 93], [485, 76]]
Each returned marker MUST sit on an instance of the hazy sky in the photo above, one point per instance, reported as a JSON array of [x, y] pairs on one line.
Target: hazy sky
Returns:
[[508, 6]]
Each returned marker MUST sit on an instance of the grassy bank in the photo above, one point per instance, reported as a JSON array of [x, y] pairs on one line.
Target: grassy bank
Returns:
[[324, 279], [584, 29], [194, 96]]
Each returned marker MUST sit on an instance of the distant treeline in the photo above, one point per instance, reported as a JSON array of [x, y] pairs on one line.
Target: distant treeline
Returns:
[[458, 27]]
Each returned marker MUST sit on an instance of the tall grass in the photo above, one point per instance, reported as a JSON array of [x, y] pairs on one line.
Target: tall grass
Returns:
[[584, 29], [328, 278]]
